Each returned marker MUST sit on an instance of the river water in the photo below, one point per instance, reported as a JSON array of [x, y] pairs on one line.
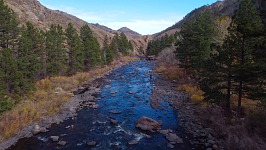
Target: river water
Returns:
[[133, 84]]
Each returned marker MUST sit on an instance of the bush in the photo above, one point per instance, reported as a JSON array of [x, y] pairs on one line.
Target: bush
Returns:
[[196, 95]]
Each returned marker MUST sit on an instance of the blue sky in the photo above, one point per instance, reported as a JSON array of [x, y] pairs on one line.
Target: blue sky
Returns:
[[143, 16]]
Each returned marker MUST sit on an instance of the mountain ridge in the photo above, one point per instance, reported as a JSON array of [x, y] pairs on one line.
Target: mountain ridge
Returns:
[[43, 17]]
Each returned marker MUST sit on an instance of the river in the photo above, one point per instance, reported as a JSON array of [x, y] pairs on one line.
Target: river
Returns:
[[125, 97]]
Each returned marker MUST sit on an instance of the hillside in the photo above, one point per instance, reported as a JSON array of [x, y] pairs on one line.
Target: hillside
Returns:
[[220, 8], [42, 17], [129, 32]]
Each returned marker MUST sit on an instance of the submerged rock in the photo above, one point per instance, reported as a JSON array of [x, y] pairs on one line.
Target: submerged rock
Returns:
[[114, 92], [148, 124], [91, 143], [133, 142], [107, 86], [113, 121], [115, 112]]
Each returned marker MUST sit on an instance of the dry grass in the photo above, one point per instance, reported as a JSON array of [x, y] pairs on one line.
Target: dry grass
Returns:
[[170, 72], [248, 105], [196, 95], [47, 100], [231, 132]]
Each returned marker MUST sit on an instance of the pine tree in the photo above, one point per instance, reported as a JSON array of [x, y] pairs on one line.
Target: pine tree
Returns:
[[194, 45], [91, 48], [218, 77], [56, 54], [114, 46], [107, 54], [9, 73], [75, 55], [8, 27], [28, 58], [249, 24]]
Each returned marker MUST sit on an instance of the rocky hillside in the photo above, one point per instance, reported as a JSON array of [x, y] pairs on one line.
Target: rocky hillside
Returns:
[[39, 15], [220, 8], [129, 32]]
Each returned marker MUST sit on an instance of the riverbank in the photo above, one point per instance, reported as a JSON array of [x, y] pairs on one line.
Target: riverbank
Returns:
[[52, 102], [206, 122]]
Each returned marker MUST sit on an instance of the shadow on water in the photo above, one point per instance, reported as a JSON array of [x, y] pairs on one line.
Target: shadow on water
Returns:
[[131, 100]]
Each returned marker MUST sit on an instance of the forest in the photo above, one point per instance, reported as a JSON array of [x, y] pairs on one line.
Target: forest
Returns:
[[29, 54]]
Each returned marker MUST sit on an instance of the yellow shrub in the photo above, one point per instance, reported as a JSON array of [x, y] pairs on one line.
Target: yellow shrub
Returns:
[[44, 84], [197, 98], [196, 95]]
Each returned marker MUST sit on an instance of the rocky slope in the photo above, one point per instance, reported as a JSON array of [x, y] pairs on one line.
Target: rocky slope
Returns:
[[220, 8], [224, 8], [42, 17]]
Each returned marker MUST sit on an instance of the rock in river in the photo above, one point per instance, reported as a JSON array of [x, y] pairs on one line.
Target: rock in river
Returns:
[[55, 138], [91, 143], [148, 124], [174, 138], [133, 142], [62, 143]]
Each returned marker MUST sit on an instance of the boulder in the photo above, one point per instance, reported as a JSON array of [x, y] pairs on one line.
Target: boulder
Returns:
[[54, 138], [95, 106], [174, 138], [148, 124], [170, 145], [37, 129], [62, 143], [164, 132]]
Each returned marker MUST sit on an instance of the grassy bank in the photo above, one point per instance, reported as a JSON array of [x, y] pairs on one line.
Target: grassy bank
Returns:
[[47, 100]]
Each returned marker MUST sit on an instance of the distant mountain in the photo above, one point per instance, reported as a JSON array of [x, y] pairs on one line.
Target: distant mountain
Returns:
[[34, 12], [104, 28], [129, 32]]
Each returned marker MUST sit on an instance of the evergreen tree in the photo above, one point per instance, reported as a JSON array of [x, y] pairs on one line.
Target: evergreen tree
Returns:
[[8, 27], [91, 48], [106, 51], [56, 54], [249, 25], [114, 46], [28, 58], [194, 45], [75, 55], [218, 77], [9, 73]]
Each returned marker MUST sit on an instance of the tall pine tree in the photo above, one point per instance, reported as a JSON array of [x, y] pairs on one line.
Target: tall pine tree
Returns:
[[56, 54], [249, 25], [75, 54], [91, 48]]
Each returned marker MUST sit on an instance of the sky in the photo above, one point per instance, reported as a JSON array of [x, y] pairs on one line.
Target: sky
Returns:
[[143, 16]]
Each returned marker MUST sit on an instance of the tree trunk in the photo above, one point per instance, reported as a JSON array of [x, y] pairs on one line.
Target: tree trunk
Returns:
[[240, 88]]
